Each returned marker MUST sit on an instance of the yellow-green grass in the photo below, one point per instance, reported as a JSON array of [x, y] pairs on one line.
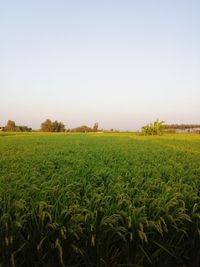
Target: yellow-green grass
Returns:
[[99, 199]]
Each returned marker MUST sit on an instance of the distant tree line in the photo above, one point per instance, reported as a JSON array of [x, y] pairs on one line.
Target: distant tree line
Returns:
[[55, 126], [85, 129], [155, 128], [12, 127], [49, 126]]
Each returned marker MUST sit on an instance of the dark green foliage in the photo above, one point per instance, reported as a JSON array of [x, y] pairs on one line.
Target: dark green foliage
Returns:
[[52, 126], [99, 200], [95, 127], [86, 129], [23, 129], [58, 127], [82, 129]]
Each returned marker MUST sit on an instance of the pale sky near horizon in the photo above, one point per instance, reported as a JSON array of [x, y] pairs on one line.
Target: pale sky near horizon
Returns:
[[122, 63]]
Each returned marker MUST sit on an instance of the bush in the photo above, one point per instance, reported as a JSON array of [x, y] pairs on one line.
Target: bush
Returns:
[[155, 128]]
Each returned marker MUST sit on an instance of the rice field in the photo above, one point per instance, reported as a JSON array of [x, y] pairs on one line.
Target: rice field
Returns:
[[101, 200]]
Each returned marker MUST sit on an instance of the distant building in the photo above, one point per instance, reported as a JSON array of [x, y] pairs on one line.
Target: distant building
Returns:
[[183, 128], [189, 130], [1, 129]]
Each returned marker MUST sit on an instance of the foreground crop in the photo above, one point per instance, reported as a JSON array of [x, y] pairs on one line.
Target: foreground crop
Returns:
[[99, 200]]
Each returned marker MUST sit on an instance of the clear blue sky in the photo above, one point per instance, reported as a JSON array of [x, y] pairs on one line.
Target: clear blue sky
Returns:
[[122, 63]]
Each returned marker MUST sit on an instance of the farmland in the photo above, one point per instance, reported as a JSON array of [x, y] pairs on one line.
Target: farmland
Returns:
[[99, 200]]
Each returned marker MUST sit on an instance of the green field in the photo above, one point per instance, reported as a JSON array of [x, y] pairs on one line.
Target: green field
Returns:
[[99, 200]]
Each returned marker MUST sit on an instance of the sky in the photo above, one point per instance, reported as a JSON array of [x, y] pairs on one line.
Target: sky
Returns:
[[122, 63]]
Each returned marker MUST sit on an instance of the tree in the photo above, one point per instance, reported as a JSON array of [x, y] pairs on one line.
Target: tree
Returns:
[[61, 127], [55, 126], [10, 127], [95, 127], [23, 128], [58, 126], [82, 129], [52, 126], [47, 126], [155, 128]]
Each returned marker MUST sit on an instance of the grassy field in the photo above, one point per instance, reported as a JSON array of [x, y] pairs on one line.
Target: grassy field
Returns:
[[99, 200]]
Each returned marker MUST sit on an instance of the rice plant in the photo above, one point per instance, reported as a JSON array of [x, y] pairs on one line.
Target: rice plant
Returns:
[[99, 200]]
